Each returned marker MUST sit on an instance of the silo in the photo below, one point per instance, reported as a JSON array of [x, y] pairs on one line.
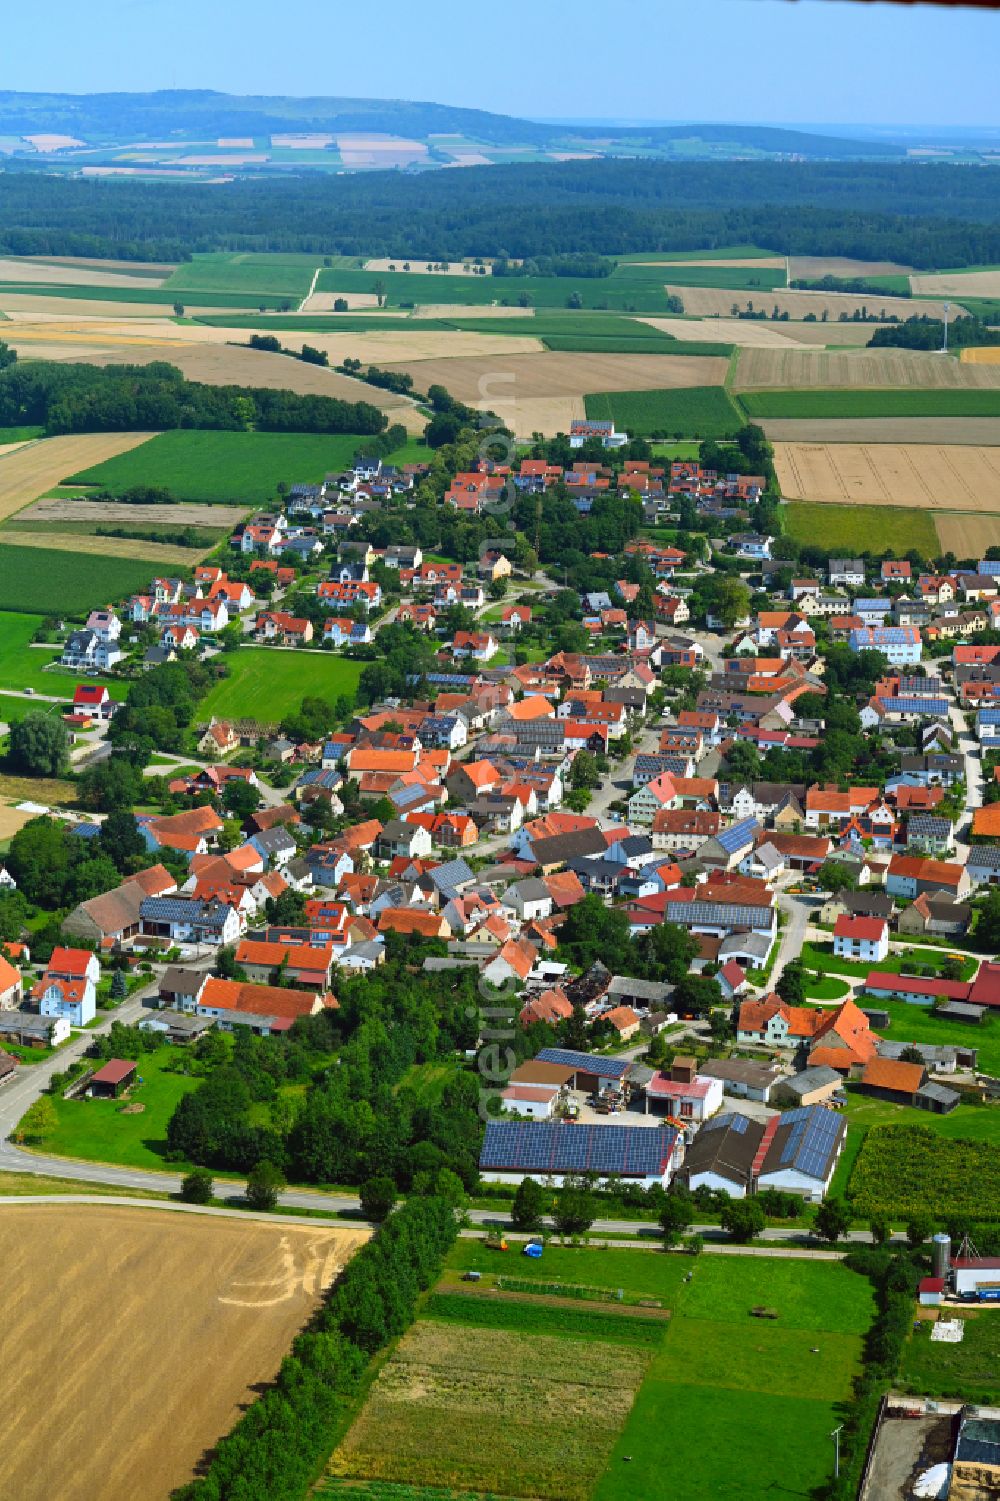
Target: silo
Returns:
[[941, 1254]]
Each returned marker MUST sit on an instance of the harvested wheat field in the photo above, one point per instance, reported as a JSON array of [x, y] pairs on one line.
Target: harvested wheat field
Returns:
[[957, 284], [29, 472], [927, 477], [12, 819], [426, 268], [110, 547], [746, 332], [133, 1338], [120, 513], [981, 432], [807, 368], [323, 302], [229, 364], [834, 335], [48, 274], [519, 377], [40, 307], [981, 354], [387, 347], [965, 535], [811, 267], [465, 310], [706, 301]]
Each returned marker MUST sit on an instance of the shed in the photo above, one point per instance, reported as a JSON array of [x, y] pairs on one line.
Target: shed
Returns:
[[937, 1098], [931, 1291], [812, 1086], [112, 1080]]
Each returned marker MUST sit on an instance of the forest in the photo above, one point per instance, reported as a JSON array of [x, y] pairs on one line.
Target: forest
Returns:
[[942, 214], [65, 398]]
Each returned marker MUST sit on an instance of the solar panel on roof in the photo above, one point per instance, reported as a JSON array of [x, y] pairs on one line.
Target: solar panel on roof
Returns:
[[545, 1147], [588, 1063], [741, 833]]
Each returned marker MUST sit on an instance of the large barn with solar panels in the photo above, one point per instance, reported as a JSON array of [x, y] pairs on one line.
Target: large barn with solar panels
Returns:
[[796, 1151], [554, 1151]]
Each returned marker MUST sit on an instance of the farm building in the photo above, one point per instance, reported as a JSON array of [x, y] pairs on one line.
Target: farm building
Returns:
[[742, 1078], [684, 1092], [888, 1079], [796, 1151], [112, 1080], [30, 1031], [535, 1101], [591, 1072], [813, 1086], [551, 1152]]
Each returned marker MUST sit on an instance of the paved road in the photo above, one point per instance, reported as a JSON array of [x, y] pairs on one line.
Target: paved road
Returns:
[[968, 747], [793, 934]]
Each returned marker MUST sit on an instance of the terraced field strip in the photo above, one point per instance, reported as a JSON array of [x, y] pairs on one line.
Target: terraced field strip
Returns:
[[29, 472]]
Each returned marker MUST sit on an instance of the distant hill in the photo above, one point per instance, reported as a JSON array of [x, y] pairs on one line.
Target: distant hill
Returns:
[[107, 120]]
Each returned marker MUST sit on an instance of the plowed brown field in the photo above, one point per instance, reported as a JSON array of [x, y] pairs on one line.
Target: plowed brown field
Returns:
[[136, 1336], [928, 476]]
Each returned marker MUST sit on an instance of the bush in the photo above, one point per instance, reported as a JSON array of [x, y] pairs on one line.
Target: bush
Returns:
[[264, 1184], [198, 1187], [378, 1198]]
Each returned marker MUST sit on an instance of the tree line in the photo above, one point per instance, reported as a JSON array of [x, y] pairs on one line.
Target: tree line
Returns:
[[66, 398], [942, 214]]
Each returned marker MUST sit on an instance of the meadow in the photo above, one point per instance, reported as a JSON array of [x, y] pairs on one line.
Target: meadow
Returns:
[[738, 278], [686, 412], [222, 466], [969, 1371], [630, 288], [267, 684], [68, 584], [271, 275], [876, 402], [859, 528]]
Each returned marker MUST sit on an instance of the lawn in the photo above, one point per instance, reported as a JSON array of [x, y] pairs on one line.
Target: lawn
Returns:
[[267, 684], [861, 528], [821, 956], [722, 1372], [863, 402], [220, 466], [41, 581], [685, 412], [97, 1131], [969, 1371], [827, 989], [21, 665], [639, 1274], [919, 1024], [964, 1123]]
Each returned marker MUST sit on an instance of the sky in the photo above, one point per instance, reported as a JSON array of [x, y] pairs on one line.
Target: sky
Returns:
[[768, 61]]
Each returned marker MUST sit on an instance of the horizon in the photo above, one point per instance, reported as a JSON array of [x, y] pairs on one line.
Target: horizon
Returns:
[[831, 60]]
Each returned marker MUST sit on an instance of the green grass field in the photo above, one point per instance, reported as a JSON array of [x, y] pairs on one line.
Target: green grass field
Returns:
[[267, 684], [475, 1310], [943, 402], [722, 1372], [20, 434], [740, 278], [220, 466], [630, 288], [97, 1131], [159, 295], [64, 583], [686, 412], [271, 275], [861, 528], [969, 1371], [639, 1273], [721, 253]]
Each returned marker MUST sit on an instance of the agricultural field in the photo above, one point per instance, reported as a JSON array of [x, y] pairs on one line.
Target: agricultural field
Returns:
[[957, 283], [983, 354], [271, 275], [49, 581], [754, 277], [183, 1284], [803, 369], [695, 412], [61, 274], [220, 467], [969, 1370], [761, 405], [905, 1170], [530, 1408], [70, 512], [630, 288], [27, 473], [930, 476], [965, 535], [974, 432], [718, 299], [152, 550], [707, 1367], [852, 528], [812, 267], [720, 1371], [266, 684]]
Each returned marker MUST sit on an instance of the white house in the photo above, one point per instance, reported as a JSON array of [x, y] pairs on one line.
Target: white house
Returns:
[[536, 1102], [864, 938]]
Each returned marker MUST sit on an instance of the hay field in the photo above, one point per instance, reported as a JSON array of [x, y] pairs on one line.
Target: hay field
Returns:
[[221, 365], [30, 471], [965, 535], [981, 432], [957, 284], [110, 547], [49, 274], [930, 477], [803, 368], [138, 1335], [810, 267], [706, 301], [119, 513], [520, 377], [981, 354]]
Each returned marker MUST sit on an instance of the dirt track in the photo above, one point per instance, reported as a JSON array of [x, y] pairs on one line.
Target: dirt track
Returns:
[[28, 472], [136, 1337]]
